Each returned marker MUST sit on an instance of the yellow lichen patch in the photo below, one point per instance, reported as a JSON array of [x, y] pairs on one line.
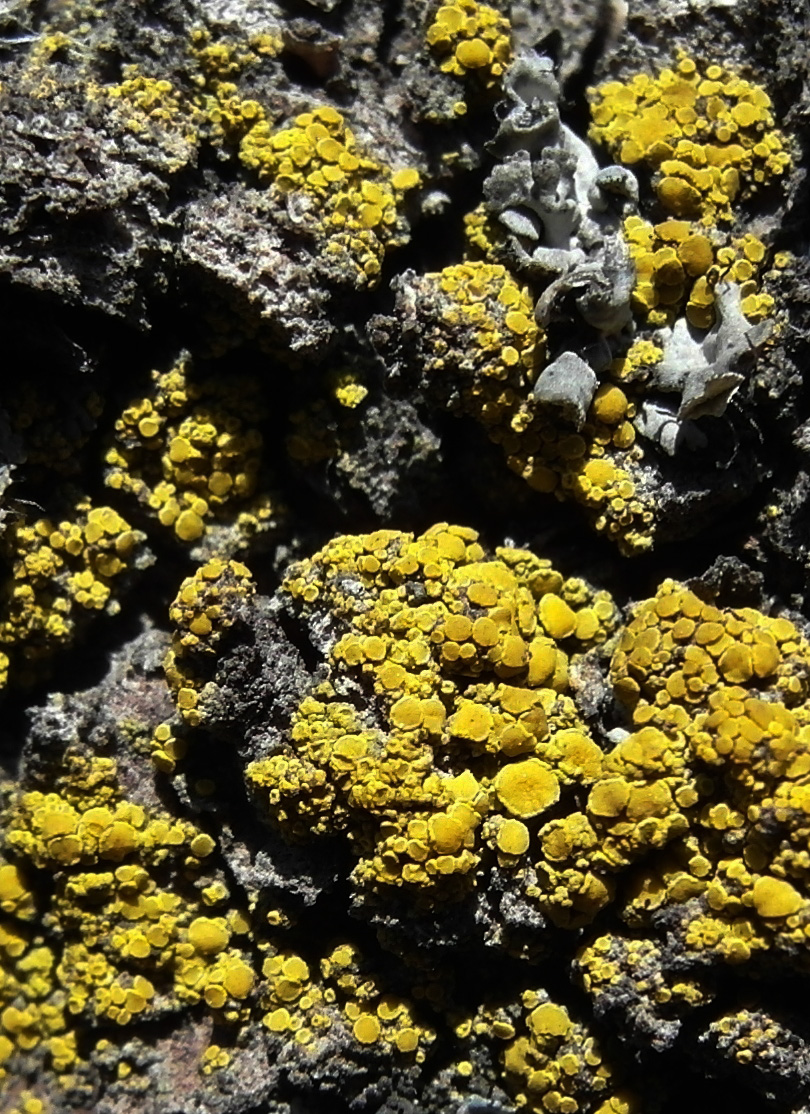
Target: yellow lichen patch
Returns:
[[301, 1002], [214, 1059], [190, 453], [208, 936], [468, 658], [743, 261], [217, 64], [513, 838], [526, 788], [482, 357], [16, 897], [135, 933], [349, 202], [553, 1064], [678, 267], [329, 426], [774, 897], [372, 1016], [639, 801], [203, 610], [61, 572], [637, 362], [156, 112], [29, 1103], [708, 134], [617, 968], [471, 40], [179, 119], [484, 236], [750, 1037], [720, 696], [31, 1007], [167, 748], [678, 651]]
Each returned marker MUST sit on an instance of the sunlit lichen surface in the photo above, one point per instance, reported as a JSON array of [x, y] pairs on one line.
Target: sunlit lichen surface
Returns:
[[404, 601]]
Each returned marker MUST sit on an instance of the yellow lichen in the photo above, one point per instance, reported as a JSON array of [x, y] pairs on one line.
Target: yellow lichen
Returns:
[[616, 968], [526, 788], [202, 611], [349, 202], [678, 268], [61, 572], [725, 690], [553, 1065], [473, 679], [302, 1003], [156, 112], [483, 352], [707, 133], [190, 453], [471, 40], [132, 928]]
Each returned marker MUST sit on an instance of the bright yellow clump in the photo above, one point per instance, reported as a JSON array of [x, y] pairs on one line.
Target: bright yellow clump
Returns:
[[167, 748], [773, 897], [191, 454], [157, 112], [484, 354], [750, 1036], [479, 731], [61, 572], [349, 202], [202, 611], [178, 118], [553, 1064], [678, 267], [214, 1059], [708, 135], [123, 902], [526, 788], [471, 40], [329, 426], [613, 967], [514, 838], [29, 1103], [637, 362], [301, 1002], [484, 236], [217, 64], [721, 692]]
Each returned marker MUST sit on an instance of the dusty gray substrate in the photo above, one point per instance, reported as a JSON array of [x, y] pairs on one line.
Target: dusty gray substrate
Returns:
[[115, 252]]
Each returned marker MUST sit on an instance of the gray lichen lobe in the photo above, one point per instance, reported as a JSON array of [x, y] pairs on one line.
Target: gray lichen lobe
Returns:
[[704, 369], [561, 211]]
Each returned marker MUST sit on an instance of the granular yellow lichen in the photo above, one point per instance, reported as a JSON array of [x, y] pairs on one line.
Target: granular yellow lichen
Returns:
[[190, 452], [154, 110], [134, 934], [203, 610], [302, 1002], [478, 732], [706, 133], [62, 571], [347, 200], [678, 266], [471, 40], [552, 1064], [724, 692], [483, 352]]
